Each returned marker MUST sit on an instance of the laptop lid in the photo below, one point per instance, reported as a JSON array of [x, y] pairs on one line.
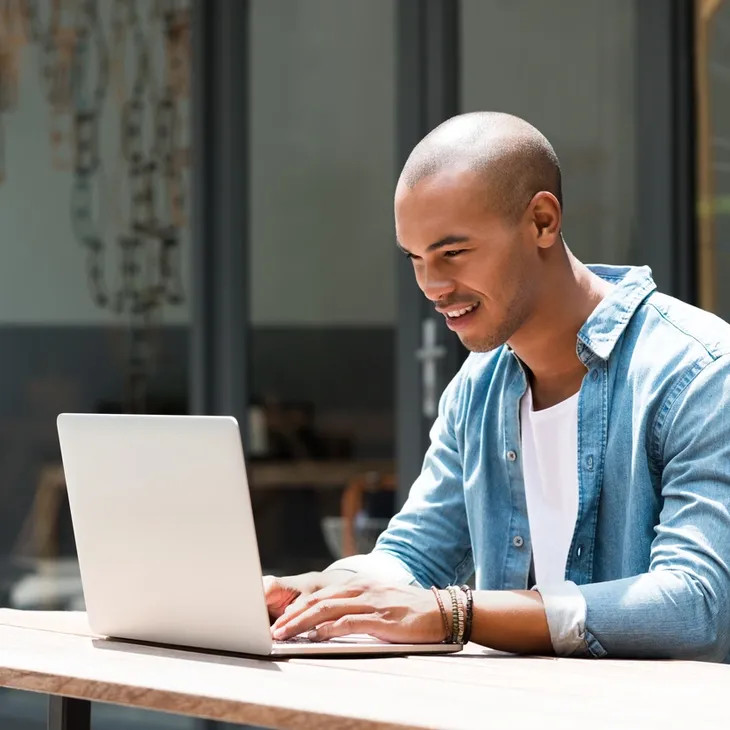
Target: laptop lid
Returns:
[[164, 529]]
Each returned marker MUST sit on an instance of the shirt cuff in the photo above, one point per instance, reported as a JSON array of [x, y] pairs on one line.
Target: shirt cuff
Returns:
[[379, 564], [565, 608]]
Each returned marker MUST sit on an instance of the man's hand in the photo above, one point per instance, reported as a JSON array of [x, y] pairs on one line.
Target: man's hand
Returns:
[[281, 592], [403, 614]]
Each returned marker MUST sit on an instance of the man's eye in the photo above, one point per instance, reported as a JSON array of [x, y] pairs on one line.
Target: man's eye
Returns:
[[451, 254]]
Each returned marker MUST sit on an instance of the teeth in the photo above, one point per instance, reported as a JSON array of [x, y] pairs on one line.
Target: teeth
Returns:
[[460, 312]]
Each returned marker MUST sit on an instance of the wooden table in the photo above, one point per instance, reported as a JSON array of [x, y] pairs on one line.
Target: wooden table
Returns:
[[323, 474], [53, 653]]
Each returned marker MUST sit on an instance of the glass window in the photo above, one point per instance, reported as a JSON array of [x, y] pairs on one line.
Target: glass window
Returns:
[[568, 68], [94, 295], [322, 275]]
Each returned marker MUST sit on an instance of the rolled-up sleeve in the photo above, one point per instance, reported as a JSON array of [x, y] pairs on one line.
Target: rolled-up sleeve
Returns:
[[565, 609]]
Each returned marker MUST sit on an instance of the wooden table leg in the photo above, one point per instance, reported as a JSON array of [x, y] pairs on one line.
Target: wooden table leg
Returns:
[[66, 713]]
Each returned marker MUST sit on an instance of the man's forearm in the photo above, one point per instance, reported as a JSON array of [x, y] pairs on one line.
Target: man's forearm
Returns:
[[512, 621]]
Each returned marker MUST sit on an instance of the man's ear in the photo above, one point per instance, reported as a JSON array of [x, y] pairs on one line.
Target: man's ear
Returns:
[[546, 217]]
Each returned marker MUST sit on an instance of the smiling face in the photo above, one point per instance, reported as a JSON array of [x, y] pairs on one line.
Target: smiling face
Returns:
[[481, 270]]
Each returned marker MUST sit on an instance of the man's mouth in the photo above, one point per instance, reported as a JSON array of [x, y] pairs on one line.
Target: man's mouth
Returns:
[[458, 319], [456, 313]]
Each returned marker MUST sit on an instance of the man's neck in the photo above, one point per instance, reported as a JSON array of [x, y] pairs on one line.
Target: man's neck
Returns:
[[548, 393], [546, 343]]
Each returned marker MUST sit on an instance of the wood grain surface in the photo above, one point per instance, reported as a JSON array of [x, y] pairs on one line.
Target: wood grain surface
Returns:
[[53, 652]]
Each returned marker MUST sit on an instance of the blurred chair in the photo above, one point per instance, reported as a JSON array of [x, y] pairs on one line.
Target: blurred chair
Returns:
[[354, 521], [55, 581]]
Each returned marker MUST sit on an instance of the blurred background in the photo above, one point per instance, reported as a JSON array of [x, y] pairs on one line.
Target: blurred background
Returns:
[[196, 217]]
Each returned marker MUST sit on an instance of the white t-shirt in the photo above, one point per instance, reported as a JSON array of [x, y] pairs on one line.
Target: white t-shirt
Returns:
[[550, 467]]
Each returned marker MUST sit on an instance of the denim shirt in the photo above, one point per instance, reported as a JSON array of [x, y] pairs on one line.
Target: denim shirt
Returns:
[[648, 569]]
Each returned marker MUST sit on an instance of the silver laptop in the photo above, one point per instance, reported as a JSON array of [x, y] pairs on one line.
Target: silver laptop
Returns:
[[166, 540]]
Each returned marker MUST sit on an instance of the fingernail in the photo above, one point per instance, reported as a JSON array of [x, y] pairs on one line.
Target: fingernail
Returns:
[[312, 635], [278, 633]]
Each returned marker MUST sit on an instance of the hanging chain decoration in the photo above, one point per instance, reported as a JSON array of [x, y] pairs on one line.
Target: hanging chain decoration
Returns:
[[12, 39], [89, 73], [137, 215]]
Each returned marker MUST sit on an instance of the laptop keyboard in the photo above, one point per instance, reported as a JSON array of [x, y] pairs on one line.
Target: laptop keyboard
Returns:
[[297, 640], [344, 640]]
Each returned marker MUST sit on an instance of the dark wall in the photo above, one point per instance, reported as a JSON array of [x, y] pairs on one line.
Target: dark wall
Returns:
[[333, 367]]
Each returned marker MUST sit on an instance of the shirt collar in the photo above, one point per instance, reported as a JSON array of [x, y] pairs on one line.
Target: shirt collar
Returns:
[[605, 325]]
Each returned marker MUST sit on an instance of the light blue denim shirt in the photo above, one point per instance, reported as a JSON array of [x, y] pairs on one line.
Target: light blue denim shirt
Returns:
[[648, 570]]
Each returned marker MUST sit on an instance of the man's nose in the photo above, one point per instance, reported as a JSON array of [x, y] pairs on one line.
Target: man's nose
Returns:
[[435, 285]]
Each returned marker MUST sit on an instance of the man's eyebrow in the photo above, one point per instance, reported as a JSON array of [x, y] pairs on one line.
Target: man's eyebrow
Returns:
[[446, 241]]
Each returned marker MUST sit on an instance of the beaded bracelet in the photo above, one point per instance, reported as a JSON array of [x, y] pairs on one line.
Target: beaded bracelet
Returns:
[[462, 615], [457, 615], [444, 618], [469, 612]]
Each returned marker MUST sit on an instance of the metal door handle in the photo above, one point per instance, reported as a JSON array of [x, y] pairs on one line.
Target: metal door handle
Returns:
[[429, 354]]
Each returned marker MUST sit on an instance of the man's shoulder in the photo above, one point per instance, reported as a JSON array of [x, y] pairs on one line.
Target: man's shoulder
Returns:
[[681, 326]]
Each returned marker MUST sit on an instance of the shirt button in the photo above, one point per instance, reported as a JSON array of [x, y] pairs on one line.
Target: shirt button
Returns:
[[517, 541], [589, 463], [579, 551], [594, 375], [511, 456]]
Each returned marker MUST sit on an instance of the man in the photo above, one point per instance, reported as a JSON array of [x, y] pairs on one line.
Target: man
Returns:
[[580, 462]]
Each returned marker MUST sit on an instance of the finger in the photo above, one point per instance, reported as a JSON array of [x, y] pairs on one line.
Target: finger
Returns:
[[288, 583], [295, 610], [299, 604], [349, 624], [328, 610], [293, 623], [290, 609], [276, 611], [278, 596], [306, 602]]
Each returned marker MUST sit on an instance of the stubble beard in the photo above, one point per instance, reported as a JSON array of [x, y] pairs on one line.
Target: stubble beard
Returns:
[[516, 315]]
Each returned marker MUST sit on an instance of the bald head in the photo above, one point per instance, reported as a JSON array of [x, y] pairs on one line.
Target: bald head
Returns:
[[515, 159]]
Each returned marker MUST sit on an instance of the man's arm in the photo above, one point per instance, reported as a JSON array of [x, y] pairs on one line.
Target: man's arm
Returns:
[[680, 608]]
